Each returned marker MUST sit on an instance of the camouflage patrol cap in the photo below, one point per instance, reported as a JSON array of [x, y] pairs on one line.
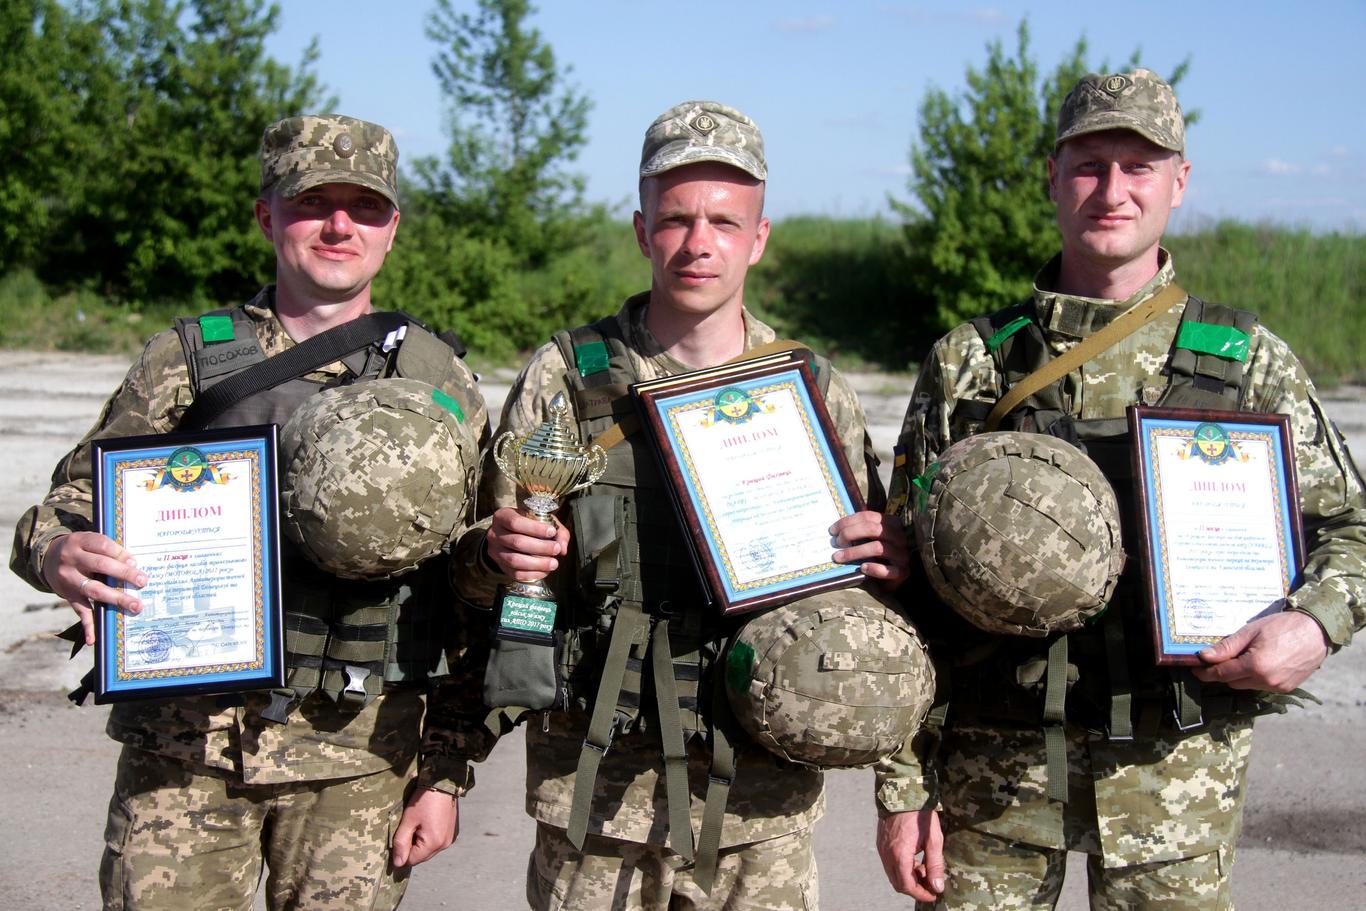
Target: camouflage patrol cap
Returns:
[[299, 153], [1019, 533], [836, 680], [1138, 100], [697, 131], [377, 476]]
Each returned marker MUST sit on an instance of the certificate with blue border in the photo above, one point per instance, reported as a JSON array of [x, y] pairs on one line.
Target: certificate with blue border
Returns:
[[1222, 538], [199, 513], [757, 475]]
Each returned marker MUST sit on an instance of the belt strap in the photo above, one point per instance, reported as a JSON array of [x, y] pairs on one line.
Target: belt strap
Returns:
[[1124, 325], [603, 723], [1054, 708], [718, 790], [671, 738], [1121, 688]]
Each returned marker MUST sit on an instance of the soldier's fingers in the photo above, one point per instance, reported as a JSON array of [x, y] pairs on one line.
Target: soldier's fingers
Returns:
[[87, 621], [97, 591], [115, 567]]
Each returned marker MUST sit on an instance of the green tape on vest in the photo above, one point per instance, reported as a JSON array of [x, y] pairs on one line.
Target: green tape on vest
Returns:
[[922, 487], [591, 358], [739, 667], [450, 404], [1206, 338], [528, 615], [217, 328], [1000, 335]]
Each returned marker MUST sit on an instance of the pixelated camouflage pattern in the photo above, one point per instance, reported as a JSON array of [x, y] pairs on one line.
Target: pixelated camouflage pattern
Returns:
[[985, 873], [376, 477], [299, 153], [777, 874], [769, 797], [697, 131], [1019, 532], [319, 740], [1120, 777], [836, 680], [1138, 100], [177, 838]]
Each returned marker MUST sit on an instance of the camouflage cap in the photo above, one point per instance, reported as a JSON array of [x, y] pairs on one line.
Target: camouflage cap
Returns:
[[1138, 100], [299, 153], [697, 131]]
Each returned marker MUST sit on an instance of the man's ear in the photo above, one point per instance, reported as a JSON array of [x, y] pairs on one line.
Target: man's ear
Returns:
[[262, 211]]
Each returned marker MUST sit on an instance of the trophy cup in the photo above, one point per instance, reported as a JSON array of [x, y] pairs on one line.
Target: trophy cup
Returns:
[[548, 463]]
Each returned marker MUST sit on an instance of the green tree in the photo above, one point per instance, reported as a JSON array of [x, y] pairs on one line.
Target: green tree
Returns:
[[514, 125], [54, 93], [167, 210], [982, 223]]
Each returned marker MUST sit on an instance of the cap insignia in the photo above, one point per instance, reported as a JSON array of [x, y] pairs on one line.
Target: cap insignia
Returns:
[[1116, 84], [704, 123], [343, 145]]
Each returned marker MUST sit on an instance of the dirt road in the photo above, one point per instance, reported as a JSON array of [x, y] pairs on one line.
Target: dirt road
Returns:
[[1303, 844]]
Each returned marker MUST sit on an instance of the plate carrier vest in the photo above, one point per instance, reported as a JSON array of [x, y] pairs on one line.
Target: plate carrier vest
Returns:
[[1103, 677], [347, 639]]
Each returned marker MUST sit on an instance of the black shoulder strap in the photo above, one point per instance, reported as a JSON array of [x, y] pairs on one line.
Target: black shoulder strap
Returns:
[[305, 357]]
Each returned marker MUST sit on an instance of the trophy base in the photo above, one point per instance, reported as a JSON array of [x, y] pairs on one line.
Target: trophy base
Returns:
[[526, 612]]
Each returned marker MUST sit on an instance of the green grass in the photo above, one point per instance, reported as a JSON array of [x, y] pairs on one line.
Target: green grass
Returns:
[[841, 285]]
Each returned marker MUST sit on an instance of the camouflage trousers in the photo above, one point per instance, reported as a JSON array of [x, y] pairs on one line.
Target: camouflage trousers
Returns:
[[778, 874], [180, 837], [986, 873]]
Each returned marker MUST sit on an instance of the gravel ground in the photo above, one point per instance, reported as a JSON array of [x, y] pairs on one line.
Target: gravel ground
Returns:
[[1303, 844]]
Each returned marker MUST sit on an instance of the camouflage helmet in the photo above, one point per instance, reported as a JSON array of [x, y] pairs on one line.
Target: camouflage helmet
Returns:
[[376, 477], [836, 680], [1019, 532]]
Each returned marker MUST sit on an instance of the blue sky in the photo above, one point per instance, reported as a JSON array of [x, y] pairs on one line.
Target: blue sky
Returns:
[[835, 87]]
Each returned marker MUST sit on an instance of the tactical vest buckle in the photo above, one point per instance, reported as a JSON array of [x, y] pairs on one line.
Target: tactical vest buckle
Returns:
[[355, 683]]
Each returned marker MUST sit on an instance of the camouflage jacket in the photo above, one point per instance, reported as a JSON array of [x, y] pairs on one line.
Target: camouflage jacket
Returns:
[[319, 741], [1334, 579], [769, 798]]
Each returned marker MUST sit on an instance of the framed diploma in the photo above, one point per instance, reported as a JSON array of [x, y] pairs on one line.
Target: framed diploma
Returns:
[[1222, 540], [199, 512], [757, 475]]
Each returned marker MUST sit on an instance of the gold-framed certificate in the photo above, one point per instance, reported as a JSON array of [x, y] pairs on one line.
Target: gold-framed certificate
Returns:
[[199, 512], [758, 477], [1222, 541]]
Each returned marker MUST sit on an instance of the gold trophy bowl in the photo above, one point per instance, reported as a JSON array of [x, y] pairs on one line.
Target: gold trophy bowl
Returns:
[[549, 463]]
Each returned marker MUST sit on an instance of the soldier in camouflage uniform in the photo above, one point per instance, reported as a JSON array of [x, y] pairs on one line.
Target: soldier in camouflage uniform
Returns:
[[207, 788], [1155, 759], [701, 225]]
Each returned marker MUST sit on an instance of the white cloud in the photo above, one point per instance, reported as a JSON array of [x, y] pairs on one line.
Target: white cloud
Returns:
[[1339, 152], [809, 25], [1279, 168]]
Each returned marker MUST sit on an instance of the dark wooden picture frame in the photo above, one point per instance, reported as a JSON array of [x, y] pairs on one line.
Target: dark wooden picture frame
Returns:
[[789, 370]]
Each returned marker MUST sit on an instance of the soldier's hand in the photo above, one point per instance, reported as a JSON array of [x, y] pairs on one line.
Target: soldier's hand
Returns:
[[430, 824], [524, 548], [1275, 653], [877, 542], [911, 846], [75, 567]]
